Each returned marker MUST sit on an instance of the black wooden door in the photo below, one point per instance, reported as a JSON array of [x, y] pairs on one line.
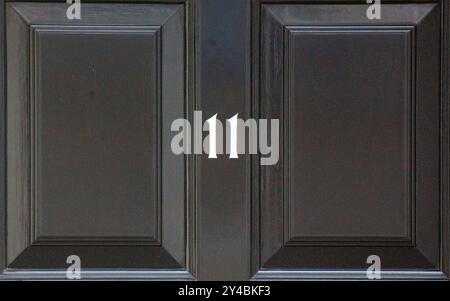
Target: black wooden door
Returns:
[[87, 167]]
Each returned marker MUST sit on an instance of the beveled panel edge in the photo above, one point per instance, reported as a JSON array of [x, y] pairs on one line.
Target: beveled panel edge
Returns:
[[97, 13], [393, 13]]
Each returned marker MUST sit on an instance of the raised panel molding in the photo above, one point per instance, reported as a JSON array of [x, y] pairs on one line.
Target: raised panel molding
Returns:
[[147, 225], [289, 244], [39, 237], [405, 33]]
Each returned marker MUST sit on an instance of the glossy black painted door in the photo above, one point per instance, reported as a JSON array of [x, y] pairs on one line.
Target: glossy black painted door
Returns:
[[359, 104], [87, 167]]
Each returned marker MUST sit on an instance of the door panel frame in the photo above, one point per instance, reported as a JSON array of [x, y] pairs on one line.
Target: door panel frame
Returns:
[[280, 273], [189, 273]]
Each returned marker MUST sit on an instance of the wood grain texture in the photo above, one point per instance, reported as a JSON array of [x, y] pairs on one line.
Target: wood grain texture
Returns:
[[221, 198], [113, 151], [2, 140], [347, 145], [223, 87], [18, 148], [296, 80]]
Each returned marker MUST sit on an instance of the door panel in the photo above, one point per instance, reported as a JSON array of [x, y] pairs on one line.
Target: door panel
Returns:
[[90, 104], [88, 168], [359, 103]]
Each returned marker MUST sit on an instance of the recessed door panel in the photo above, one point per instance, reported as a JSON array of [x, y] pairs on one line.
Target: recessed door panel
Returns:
[[358, 101], [90, 172]]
